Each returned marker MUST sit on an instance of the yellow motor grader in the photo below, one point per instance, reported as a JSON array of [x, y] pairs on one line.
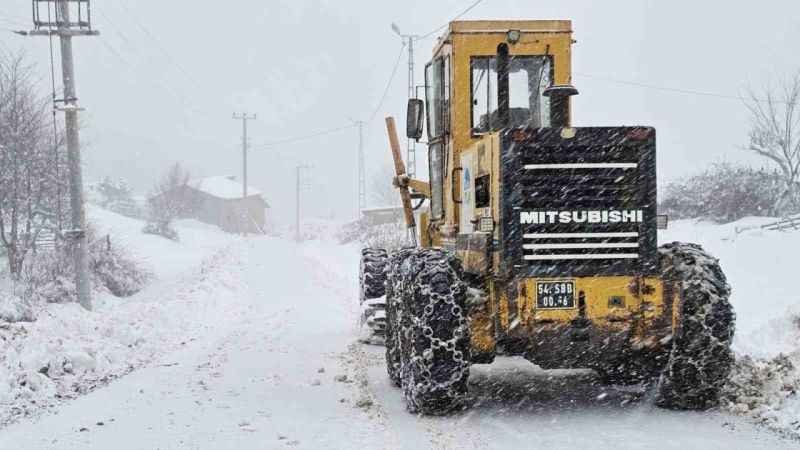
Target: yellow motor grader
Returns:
[[539, 239]]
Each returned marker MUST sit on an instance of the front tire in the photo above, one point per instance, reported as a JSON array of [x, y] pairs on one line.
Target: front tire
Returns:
[[372, 279], [432, 330], [701, 357]]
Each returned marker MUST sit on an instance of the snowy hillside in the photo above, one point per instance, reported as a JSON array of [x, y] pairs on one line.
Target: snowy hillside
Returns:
[[67, 351]]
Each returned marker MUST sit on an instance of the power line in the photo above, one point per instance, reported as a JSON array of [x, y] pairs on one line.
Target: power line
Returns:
[[658, 88], [460, 15], [14, 21], [345, 127], [178, 96], [388, 84], [671, 89], [115, 27], [380, 103], [302, 138], [330, 131], [159, 44]]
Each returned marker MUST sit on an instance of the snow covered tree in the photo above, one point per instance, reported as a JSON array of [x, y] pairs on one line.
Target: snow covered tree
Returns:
[[117, 196], [775, 134], [169, 200], [32, 165], [724, 193], [382, 192]]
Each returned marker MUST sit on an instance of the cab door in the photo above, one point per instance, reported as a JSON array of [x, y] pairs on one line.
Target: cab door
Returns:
[[437, 98]]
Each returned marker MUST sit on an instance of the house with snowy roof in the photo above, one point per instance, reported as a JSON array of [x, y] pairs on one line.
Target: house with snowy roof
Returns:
[[219, 201]]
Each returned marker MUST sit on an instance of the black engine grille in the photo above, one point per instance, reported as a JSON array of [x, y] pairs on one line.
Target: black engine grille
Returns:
[[562, 197]]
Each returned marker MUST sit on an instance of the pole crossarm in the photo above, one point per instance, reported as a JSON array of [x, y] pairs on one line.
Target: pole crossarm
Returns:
[[70, 33], [60, 14]]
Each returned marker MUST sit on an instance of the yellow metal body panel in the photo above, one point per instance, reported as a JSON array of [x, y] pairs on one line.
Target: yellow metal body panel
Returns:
[[464, 40], [470, 39]]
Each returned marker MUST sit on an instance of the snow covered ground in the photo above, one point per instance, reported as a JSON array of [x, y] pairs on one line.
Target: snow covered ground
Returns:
[[67, 352], [251, 344], [761, 267]]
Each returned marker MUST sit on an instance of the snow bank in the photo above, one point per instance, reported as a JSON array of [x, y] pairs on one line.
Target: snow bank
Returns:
[[15, 309], [69, 351], [766, 390], [761, 267]]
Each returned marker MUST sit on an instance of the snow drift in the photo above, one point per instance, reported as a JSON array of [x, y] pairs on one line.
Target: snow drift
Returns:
[[67, 351]]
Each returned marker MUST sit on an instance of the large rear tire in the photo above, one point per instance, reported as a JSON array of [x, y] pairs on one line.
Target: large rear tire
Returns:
[[372, 280], [701, 357], [431, 330]]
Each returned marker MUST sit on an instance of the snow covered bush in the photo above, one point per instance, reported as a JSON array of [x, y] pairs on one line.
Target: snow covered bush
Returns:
[[725, 193], [113, 269], [161, 228], [15, 309], [390, 236], [116, 196], [50, 277]]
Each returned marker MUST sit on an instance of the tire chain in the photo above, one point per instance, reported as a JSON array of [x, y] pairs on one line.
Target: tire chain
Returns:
[[428, 351], [394, 313], [701, 358], [372, 273]]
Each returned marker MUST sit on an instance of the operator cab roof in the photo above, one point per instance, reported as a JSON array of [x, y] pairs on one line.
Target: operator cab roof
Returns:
[[503, 26]]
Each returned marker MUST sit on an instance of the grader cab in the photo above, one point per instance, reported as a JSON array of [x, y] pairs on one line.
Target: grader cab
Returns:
[[539, 238]]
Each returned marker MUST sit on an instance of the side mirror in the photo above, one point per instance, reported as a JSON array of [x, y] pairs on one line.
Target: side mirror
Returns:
[[415, 114]]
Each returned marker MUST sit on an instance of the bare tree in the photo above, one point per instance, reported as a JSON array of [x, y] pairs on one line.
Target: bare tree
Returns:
[[169, 200], [775, 134], [382, 192], [30, 163]]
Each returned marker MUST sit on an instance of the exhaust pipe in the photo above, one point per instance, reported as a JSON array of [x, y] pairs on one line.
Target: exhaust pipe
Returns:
[[559, 95]]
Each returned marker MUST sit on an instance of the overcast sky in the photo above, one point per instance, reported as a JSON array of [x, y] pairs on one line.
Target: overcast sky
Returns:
[[162, 81]]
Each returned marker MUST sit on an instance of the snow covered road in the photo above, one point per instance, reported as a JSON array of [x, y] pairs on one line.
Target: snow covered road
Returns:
[[272, 375]]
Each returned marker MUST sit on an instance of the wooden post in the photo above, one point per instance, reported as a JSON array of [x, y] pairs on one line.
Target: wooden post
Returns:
[[400, 170]]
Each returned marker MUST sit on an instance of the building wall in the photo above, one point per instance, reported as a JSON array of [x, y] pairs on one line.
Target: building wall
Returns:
[[240, 215], [231, 215]]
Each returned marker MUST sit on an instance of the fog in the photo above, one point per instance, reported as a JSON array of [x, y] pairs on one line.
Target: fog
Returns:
[[162, 81]]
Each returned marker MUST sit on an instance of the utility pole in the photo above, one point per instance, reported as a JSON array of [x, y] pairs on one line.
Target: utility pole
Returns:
[[244, 117], [362, 174], [65, 28], [299, 188], [411, 149]]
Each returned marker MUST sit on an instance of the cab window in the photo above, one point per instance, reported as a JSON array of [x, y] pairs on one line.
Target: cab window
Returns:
[[436, 170], [437, 96], [528, 76]]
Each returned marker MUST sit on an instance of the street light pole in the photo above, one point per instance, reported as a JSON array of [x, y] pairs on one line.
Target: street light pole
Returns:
[[411, 145]]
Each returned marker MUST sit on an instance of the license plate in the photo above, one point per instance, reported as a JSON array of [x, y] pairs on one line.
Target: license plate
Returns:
[[555, 294]]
